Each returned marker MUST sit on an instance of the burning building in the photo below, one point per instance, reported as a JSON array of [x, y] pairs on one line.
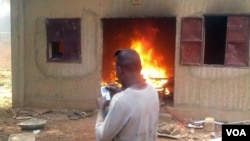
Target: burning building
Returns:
[[195, 50]]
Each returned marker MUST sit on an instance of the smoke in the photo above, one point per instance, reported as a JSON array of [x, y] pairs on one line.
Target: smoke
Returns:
[[5, 24], [4, 16]]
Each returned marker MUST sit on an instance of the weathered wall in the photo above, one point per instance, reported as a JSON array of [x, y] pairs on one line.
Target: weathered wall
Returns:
[[76, 85], [221, 92]]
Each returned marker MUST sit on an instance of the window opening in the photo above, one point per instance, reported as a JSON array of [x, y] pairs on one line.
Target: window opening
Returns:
[[56, 50], [215, 39]]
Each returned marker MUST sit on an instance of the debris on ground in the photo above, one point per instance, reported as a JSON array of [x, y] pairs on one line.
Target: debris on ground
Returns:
[[170, 130], [188, 129], [28, 113], [22, 137]]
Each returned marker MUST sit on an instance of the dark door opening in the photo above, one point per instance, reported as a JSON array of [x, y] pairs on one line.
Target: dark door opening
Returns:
[[153, 38]]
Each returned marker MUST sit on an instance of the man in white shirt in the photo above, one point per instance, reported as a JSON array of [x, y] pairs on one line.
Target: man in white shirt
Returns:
[[134, 110]]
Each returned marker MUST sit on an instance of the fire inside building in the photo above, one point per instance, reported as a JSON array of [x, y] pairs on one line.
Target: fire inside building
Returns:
[[153, 39]]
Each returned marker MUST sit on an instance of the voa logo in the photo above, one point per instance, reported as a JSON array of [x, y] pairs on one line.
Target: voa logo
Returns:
[[236, 132]]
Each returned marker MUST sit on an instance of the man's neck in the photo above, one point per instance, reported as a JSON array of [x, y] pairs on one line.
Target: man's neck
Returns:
[[135, 83]]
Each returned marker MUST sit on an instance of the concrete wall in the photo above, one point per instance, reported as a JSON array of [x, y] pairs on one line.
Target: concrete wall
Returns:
[[199, 91]]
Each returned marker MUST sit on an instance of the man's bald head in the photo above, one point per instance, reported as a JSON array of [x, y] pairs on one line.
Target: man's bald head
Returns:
[[129, 59]]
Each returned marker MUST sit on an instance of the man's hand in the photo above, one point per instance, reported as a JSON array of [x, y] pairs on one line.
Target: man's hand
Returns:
[[102, 103], [113, 89]]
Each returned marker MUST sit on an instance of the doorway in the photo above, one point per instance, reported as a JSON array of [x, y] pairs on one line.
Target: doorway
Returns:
[[152, 38]]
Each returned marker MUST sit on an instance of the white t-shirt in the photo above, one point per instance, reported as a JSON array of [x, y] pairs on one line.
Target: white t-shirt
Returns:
[[133, 116]]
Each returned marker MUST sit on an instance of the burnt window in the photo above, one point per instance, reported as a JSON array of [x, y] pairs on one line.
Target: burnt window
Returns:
[[63, 40], [225, 41]]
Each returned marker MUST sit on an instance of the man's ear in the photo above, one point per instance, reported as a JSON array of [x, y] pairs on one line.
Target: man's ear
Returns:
[[121, 69]]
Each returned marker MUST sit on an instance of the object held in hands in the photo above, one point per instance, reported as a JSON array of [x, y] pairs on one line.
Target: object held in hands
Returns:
[[105, 93], [113, 88]]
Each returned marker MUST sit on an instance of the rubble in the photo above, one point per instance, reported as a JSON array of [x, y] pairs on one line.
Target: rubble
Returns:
[[170, 130], [179, 128]]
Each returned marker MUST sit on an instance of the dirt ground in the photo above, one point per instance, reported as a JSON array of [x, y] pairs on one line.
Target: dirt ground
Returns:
[[62, 127]]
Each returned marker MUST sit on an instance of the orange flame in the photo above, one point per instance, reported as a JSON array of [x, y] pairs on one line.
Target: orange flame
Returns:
[[151, 67], [153, 70]]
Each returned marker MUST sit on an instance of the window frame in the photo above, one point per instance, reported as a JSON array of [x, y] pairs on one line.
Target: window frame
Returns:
[[66, 34], [236, 48], [189, 56], [238, 25]]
